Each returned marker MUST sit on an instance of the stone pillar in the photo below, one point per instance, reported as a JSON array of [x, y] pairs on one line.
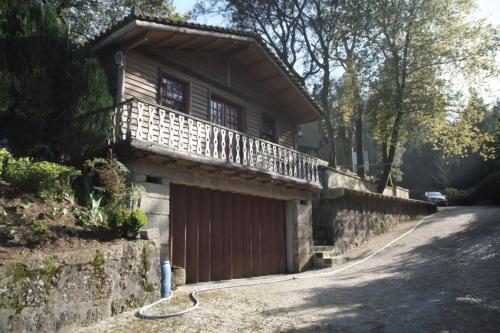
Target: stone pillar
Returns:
[[156, 205], [299, 237]]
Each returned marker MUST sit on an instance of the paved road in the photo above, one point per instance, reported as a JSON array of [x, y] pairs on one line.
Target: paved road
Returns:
[[442, 277]]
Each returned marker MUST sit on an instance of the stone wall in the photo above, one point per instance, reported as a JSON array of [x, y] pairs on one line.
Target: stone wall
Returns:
[[331, 178], [345, 218], [60, 292]]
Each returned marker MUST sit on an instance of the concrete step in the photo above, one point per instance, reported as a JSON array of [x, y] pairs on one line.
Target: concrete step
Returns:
[[323, 248], [322, 260]]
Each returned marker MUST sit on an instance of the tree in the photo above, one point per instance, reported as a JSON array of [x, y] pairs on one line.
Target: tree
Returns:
[[314, 39], [86, 19], [51, 82], [422, 46]]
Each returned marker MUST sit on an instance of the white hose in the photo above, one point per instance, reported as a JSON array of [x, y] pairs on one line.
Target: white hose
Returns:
[[141, 313]]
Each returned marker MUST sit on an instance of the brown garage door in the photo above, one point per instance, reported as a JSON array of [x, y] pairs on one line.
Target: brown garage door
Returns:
[[218, 235]]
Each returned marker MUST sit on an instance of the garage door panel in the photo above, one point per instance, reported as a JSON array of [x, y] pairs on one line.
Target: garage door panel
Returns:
[[281, 236], [265, 240], [256, 243], [204, 232], [221, 235], [227, 200], [179, 228], [217, 241], [192, 235], [247, 237]]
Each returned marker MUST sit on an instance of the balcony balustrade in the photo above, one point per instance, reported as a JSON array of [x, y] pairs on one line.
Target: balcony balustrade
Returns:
[[197, 139]]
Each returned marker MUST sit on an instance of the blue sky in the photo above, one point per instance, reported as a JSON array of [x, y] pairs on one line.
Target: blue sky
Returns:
[[489, 9]]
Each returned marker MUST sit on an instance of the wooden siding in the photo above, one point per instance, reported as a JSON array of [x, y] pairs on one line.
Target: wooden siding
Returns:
[[199, 100], [142, 75]]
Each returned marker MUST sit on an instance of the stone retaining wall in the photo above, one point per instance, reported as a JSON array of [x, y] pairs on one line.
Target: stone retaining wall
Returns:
[[346, 218], [59, 292], [333, 178]]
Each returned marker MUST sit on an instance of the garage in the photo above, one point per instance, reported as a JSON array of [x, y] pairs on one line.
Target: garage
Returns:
[[218, 235]]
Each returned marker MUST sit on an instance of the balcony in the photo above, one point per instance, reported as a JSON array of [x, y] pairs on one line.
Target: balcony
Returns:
[[163, 131]]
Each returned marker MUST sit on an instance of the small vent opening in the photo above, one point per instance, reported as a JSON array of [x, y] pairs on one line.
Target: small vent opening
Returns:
[[153, 180]]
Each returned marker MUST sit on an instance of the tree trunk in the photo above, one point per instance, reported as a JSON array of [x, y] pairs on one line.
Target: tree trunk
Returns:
[[332, 156], [359, 143], [330, 127], [389, 156]]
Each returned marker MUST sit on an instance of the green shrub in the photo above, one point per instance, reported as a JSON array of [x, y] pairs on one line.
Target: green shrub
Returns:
[[487, 190], [4, 156], [456, 196], [137, 220], [49, 180], [39, 228], [107, 177], [117, 218]]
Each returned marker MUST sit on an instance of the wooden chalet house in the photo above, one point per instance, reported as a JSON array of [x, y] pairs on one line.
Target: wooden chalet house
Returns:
[[205, 119]]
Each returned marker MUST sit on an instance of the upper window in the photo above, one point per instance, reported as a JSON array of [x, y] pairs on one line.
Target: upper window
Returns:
[[173, 93], [269, 128], [225, 114]]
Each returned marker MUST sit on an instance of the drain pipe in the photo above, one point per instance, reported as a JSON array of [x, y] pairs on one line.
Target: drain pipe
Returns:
[[166, 278]]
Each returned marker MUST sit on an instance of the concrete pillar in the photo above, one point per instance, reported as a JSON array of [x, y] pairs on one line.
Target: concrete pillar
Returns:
[[299, 239]]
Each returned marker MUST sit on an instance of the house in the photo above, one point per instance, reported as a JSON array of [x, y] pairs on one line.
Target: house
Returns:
[[206, 120]]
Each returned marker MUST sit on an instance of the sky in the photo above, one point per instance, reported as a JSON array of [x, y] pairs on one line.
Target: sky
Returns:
[[489, 9]]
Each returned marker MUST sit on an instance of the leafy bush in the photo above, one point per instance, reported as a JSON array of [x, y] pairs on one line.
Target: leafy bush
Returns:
[[38, 227], [49, 180], [107, 177], [126, 222], [487, 190], [456, 196], [137, 220], [4, 156]]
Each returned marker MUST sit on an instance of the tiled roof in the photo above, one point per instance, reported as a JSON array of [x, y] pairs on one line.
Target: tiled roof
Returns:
[[211, 28]]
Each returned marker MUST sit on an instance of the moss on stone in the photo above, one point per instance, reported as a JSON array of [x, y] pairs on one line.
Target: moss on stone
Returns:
[[21, 271], [9, 303], [99, 262], [145, 259], [380, 226], [146, 285]]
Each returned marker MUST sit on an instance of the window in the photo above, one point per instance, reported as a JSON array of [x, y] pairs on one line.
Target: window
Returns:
[[173, 94], [269, 128], [225, 114]]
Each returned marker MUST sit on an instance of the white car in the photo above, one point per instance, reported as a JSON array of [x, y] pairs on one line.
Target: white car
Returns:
[[436, 197]]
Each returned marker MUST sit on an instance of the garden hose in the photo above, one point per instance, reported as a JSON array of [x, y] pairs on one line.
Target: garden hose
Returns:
[[142, 312]]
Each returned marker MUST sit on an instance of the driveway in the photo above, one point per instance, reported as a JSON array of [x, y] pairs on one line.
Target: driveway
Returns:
[[442, 277]]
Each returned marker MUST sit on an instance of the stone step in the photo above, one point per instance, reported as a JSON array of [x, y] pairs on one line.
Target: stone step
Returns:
[[323, 248], [322, 259]]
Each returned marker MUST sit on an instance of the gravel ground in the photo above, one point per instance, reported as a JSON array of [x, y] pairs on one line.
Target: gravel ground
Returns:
[[442, 277]]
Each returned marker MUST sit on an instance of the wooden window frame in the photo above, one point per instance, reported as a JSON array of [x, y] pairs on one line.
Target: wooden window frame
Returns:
[[187, 84], [223, 98], [276, 127]]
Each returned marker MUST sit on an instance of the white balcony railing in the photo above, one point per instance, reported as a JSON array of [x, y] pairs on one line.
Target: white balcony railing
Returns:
[[199, 138]]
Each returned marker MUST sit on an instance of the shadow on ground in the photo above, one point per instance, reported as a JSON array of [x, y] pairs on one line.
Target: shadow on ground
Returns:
[[447, 284]]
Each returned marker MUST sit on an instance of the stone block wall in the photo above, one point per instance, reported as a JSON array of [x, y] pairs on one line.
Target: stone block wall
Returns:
[[332, 178], [60, 292], [346, 218], [299, 234]]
